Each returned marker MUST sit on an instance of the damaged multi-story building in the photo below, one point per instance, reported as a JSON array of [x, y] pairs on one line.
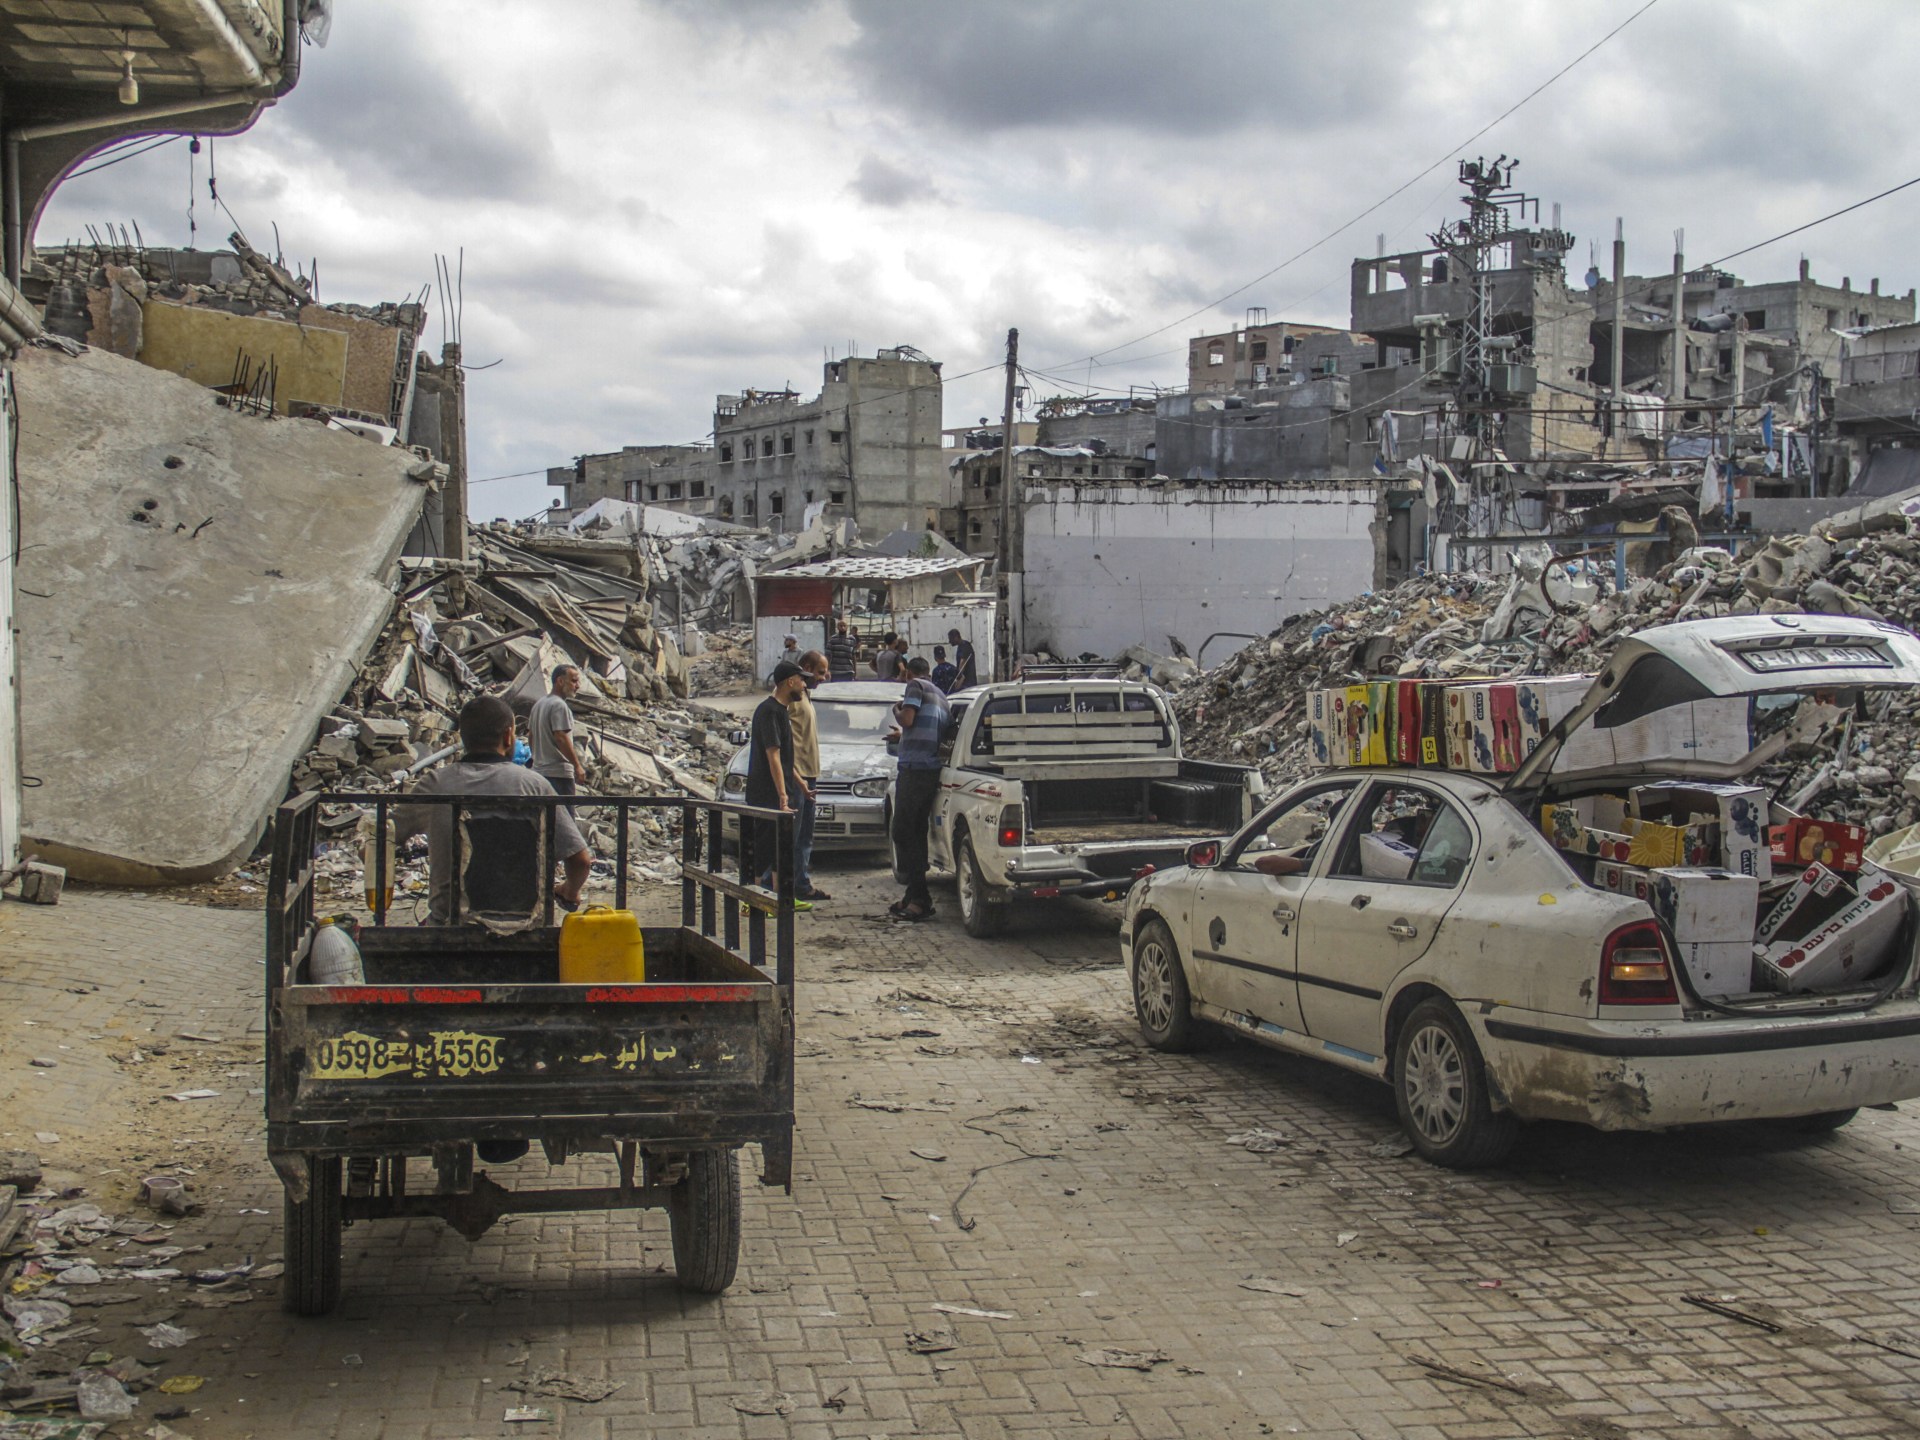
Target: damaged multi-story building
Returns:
[[867, 447]]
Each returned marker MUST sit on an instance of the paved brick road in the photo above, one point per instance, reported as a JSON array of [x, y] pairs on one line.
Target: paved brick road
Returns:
[[1107, 1208]]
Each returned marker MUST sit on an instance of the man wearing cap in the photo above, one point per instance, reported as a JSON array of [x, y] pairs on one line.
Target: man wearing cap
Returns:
[[789, 650], [771, 780]]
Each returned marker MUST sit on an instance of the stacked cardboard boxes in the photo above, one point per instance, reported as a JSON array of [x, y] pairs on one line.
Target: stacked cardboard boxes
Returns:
[[1483, 727]]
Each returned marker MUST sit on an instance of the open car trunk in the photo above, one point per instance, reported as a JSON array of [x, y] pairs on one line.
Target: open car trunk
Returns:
[[1648, 788]]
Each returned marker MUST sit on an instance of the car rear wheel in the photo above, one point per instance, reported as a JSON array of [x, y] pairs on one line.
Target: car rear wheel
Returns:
[[1440, 1090], [1825, 1123], [982, 918], [1160, 998]]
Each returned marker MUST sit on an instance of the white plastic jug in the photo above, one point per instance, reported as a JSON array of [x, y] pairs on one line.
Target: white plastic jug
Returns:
[[335, 958]]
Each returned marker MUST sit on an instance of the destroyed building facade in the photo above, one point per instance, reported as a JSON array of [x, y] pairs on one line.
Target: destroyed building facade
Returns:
[[867, 447], [80, 78]]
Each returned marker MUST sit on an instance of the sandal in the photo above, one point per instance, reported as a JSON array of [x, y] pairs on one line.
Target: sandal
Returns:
[[913, 914], [816, 893], [561, 902]]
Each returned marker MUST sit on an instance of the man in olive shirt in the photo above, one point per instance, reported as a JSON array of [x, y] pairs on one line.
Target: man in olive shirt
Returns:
[[806, 767]]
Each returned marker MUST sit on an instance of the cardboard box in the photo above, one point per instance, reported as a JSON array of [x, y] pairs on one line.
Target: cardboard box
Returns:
[[1847, 948], [1322, 726], [1710, 913], [1406, 737], [1487, 716], [1623, 879], [1386, 857], [1740, 811], [1598, 825], [1433, 724], [1544, 703], [1458, 733], [1380, 700], [1366, 734], [1805, 841], [1815, 895]]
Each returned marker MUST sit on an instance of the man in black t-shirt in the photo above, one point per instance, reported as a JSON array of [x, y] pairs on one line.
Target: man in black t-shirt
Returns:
[[771, 780], [963, 660]]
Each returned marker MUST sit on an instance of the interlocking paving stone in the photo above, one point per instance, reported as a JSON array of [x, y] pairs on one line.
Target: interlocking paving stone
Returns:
[[1133, 1237]]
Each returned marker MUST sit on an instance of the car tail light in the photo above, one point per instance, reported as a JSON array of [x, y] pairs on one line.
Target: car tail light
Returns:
[[1635, 968], [1013, 826]]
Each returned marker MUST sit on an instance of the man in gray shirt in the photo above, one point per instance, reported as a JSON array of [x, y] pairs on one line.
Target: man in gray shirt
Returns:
[[487, 768], [550, 733]]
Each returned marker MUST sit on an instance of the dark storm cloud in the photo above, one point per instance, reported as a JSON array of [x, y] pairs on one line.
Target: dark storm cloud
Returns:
[[880, 182], [1006, 64], [384, 104]]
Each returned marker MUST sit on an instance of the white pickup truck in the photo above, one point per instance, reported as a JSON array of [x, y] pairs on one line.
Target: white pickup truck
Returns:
[[1072, 787]]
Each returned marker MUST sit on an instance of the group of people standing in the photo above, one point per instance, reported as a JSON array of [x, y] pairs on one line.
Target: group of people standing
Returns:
[[948, 670], [783, 754]]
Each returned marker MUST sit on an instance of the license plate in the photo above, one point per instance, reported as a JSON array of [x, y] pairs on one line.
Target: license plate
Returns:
[[1816, 657], [823, 812]]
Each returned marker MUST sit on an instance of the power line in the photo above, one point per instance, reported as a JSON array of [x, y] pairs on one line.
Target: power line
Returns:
[[1391, 195], [1821, 221]]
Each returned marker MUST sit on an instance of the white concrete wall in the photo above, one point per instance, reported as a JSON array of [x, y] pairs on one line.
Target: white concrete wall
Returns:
[[9, 666], [1108, 566]]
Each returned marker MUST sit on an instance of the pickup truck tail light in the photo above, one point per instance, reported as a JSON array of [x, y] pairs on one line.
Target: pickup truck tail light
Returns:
[[1013, 826], [1635, 968]]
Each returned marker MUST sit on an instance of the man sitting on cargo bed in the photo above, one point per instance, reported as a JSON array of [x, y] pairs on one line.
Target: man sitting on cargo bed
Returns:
[[487, 768]]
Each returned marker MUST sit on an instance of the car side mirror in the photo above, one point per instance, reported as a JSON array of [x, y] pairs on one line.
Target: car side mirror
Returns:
[[738, 737], [1205, 855]]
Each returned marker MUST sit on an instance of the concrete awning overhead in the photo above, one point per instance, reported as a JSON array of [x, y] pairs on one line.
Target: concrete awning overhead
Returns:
[[197, 588]]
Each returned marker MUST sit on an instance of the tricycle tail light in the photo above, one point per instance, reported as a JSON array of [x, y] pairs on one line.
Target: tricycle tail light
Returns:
[[1636, 968]]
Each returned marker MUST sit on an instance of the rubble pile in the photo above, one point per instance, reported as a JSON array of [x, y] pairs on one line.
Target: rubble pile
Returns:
[[1564, 618], [727, 666], [500, 623]]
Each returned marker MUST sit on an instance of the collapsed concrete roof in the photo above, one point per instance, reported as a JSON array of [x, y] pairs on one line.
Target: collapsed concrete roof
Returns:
[[197, 588]]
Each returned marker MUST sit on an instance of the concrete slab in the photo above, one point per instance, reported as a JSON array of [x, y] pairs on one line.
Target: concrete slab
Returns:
[[197, 587]]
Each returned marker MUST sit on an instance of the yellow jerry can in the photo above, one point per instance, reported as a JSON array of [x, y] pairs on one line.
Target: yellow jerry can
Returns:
[[601, 945]]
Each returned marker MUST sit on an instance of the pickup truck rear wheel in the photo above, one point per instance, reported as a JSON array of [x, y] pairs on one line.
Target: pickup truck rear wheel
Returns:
[[1160, 998], [704, 1211], [982, 918], [1440, 1089], [311, 1285]]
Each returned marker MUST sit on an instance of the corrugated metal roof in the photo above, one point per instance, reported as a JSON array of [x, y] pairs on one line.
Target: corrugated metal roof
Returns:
[[875, 567]]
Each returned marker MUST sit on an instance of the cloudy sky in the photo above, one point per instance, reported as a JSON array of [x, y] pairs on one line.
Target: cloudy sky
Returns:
[[662, 200]]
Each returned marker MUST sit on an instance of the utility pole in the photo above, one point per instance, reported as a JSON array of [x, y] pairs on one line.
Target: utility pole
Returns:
[[1619, 356], [1677, 386], [1007, 621]]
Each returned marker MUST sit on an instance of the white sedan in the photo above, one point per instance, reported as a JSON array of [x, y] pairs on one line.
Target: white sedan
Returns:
[[1487, 977]]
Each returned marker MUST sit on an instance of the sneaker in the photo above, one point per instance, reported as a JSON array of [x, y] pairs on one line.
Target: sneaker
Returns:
[[800, 904]]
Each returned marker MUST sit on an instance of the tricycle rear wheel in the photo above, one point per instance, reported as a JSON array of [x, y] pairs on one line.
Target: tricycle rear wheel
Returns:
[[704, 1210], [311, 1285]]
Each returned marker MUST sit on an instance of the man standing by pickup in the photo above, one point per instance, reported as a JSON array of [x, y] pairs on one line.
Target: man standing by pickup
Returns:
[[922, 716], [963, 660]]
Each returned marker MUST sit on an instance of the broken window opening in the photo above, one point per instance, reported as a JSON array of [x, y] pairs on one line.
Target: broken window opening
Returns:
[[786, 444], [809, 437], [777, 504], [726, 454], [697, 489], [834, 437], [766, 446], [747, 504], [836, 497], [1258, 351]]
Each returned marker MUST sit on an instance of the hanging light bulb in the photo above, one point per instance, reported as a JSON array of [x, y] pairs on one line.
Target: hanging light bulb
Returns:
[[129, 87]]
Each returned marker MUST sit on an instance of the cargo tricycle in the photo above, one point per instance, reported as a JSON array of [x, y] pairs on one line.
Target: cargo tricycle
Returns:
[[461, 1037]]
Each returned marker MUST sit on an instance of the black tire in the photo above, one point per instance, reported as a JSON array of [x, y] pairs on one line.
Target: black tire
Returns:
[[980, 916], [704, 1210], [1440, 1090], [1161, 1001], [311, 1284], [1825, 1123]]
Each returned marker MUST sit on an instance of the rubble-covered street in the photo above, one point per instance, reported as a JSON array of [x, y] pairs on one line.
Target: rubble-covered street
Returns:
[[998, 1187]]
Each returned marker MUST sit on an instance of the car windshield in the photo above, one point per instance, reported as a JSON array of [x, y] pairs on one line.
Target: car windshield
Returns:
[[853, 720]]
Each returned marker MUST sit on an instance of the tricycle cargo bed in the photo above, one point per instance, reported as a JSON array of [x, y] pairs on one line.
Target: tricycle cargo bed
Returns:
[[455, 1023]]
